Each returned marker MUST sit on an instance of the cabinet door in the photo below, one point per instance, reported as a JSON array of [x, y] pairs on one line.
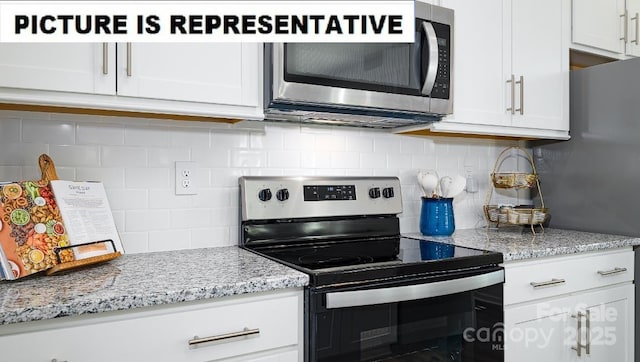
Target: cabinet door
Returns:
[[599, 24], [73, 67], [611, 327], [633, 45], [540, 55], [222, 73], [539, 332], [479, 66]]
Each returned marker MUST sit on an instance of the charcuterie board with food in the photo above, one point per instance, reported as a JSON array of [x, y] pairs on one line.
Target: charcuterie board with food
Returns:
[[34, 236]]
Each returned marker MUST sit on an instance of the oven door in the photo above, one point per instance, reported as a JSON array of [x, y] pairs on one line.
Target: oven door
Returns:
[[449, 320], [407, 77]]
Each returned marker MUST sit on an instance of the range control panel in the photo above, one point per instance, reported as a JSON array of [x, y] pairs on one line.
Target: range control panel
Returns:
[[264, 197]]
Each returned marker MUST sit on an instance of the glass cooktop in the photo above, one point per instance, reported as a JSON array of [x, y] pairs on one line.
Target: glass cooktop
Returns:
[[374, 259]]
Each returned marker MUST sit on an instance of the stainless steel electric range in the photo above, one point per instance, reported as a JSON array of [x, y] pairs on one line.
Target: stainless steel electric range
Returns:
[[374, 295]]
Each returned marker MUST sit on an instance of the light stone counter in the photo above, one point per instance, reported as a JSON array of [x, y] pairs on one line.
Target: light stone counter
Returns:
[[517, 243], [142, 280]]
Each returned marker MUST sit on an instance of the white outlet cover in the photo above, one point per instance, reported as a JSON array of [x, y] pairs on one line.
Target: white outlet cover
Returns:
[[185, 178]]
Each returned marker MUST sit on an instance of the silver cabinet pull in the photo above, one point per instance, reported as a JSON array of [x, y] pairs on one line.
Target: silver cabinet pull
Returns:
[[625, 18], [548, 283], [243, 333], [521, 82], [637, 20], [588, 346], [579, 345], [105, 58], [129, 59], [56, 360], [604, 273], [512, 109]]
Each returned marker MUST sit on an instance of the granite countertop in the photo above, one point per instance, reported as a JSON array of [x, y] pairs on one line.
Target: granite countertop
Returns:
[[519, 243], [142, 280]]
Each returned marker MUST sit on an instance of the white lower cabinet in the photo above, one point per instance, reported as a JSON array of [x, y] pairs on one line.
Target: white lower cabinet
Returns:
[[590, 317], [271, 321]]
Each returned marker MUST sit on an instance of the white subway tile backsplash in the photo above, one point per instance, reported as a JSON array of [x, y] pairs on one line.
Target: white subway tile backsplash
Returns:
[[10, 173], [330, 142], [167, 199], [282, 159], [189, 218], [47, 131], [166, 157], [211, 237], [169, 240], [135, 160], [9, 130], [274, 141], [123, 156], [65, 155], [248, 158], [145, 220], [345, 159], [211, 157], [227, 140], [373, 160], [412, 145], [294, 140], [189, 137], [388, 144], [128, 199], [423, 162], [16, 154], [315, 160], [112, 177], [137, 135], [398, 161], [99, 134], [151, 178], [135, 243]]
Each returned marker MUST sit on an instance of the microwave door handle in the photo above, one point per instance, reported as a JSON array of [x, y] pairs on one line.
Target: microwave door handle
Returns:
[[432, 68], [356, 298]]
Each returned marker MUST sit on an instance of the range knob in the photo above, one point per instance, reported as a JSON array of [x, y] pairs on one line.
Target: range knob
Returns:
[[282, 194], [387, 192], [264, 195], [374, 192]]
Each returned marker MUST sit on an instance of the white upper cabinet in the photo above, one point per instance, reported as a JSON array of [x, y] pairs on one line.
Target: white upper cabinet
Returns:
[[511, 69], [77, 67], [540, 58], [203, 79], [224, 73], [606, 27]]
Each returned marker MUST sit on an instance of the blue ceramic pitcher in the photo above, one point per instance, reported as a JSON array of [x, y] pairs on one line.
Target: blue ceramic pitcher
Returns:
[[436, 216]]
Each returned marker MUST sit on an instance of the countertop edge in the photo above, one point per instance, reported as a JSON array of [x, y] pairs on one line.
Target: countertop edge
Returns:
[[133, 302]]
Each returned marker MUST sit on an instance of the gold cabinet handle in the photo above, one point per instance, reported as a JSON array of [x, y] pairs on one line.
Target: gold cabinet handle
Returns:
[[196, 341], [549, 283]]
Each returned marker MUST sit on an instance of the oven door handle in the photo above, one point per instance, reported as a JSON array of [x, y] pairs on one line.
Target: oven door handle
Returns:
[[358, 298]]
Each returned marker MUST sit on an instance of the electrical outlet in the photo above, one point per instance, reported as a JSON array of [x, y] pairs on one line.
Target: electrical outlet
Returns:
[[185, 178]]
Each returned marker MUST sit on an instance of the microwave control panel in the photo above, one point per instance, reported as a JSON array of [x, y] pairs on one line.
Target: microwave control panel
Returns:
[[442, 85]]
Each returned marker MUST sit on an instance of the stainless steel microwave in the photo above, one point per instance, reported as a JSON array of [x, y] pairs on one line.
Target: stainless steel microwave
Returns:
[[379, 85]]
